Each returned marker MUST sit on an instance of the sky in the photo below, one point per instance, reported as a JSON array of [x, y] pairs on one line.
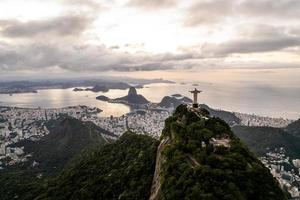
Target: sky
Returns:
[[65, 38]]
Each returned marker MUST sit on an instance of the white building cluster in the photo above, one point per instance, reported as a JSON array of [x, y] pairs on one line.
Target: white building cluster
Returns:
[[17, 124], [116, 125], [285, 170], [255, 120], [149, 122]]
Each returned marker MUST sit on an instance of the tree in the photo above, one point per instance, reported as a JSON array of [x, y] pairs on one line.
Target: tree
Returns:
[[206, 135]]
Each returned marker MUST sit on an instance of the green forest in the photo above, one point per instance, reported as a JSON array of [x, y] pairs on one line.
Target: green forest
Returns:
[[202, 159], [196, 171]]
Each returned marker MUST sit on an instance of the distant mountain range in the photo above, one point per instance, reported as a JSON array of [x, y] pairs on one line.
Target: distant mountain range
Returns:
[[105, 87], [261, 139], [228, 117], [174, 101], [98, 85], [177, 99], [170, 101]]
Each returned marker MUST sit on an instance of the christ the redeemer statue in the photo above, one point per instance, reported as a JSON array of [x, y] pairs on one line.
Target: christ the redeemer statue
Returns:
[[195, 92]]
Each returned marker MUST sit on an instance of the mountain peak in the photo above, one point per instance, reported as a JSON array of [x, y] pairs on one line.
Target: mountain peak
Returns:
[[133, 98], [198, 157], [201, 158]]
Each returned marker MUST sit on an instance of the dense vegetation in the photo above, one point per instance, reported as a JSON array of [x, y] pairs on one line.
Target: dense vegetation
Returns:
[[294, 128], [260, 139], [68, 139], [76, 164], [194, 169], [227, 116], [122, 170], [18, 184]]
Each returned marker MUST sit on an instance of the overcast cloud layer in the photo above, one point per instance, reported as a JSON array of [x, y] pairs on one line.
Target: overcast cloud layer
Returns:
[[141, 35]]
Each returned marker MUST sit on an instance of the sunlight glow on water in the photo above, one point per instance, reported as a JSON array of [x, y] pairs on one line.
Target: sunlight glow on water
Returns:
[[57, 98], [259, 100], [274, 93]]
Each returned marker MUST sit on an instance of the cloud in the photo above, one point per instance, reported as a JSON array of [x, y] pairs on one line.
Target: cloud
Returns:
[[250, 46], [76, 57], [115, 47], [144, 67], [70, 42], [152, 4], [208, 12], [69, 25], [270, 8], [27, 57], [254, 39], [295, 31], [80, 58], [91, 5], [261, 31]]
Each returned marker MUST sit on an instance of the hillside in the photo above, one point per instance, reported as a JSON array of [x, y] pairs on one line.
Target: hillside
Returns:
[[198, 157], [203, 159], [67, 140], [227, 116], [174, 101], [177, 99], [122, 170], [68, 137], [293, 128], [258, 139]]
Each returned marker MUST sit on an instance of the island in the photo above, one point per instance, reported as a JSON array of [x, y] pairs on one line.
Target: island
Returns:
[[102, 98], [105, 87], [132, 99], [78, 89], [12, 91]]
